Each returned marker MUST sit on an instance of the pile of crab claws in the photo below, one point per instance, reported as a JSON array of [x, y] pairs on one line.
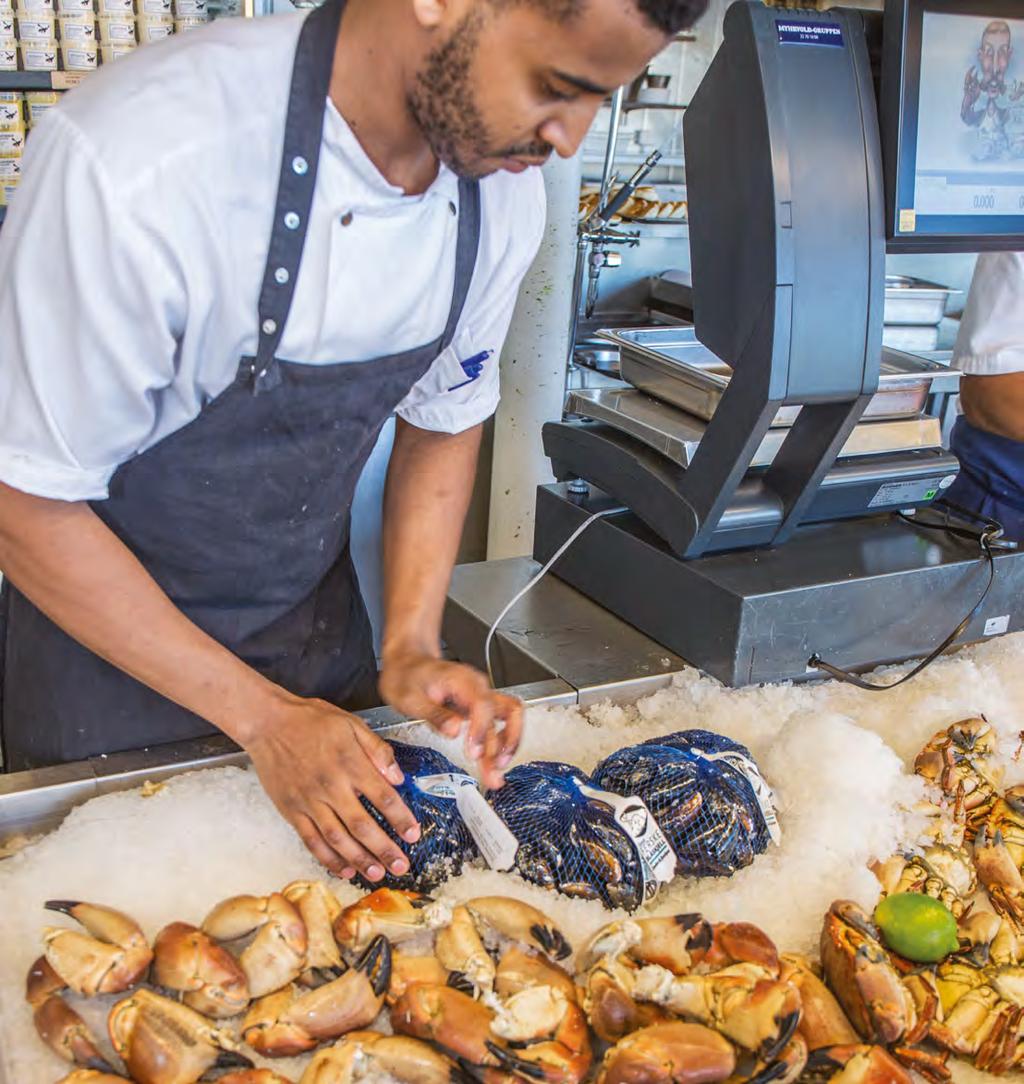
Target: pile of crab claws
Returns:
[[110, 957]]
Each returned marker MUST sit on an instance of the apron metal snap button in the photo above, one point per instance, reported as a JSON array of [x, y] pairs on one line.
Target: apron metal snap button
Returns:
[[299, 165], [281, 276], [292, 220], [346, 218], [269, 327]]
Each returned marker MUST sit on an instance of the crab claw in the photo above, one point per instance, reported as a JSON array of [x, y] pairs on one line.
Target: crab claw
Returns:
[[318, 908], [520, 922], [460, 949], [111, 957], [455, 1021], [409, 971], [369, 1054], [277, 954], [287, 1023], [66, 1034], [212, 980], [545, 1036], [855, 1063], [397, 914], [163, 1042], [253, 1076], [673, 1053]]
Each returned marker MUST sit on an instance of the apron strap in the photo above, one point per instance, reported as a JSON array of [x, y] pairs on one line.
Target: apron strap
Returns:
[[465, 255], [303, 134]]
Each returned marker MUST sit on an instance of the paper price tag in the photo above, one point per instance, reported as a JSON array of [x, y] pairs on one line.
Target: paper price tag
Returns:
[[497, 844], [762, 792], [444, 784], [657, 859]]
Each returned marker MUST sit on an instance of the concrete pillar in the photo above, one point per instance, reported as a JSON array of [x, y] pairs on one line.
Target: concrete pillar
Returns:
[[533, 369]]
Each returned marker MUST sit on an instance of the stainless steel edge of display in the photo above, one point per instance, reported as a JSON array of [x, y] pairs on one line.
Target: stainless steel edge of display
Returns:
[[37, 801]]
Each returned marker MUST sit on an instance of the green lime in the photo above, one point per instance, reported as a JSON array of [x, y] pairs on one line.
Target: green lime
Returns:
[[918, 927]]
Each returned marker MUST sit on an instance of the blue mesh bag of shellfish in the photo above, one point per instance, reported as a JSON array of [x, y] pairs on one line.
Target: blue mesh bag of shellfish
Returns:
[[430, 790], [560, 831], [706, 793]]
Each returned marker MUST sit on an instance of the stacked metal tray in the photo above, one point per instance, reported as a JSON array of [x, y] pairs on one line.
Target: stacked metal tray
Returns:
[[670, 364]]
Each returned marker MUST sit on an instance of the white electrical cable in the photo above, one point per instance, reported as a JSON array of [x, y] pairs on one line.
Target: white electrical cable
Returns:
[[536, 579]]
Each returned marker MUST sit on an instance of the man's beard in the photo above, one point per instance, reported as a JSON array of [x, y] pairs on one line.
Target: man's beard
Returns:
[[443, 105]]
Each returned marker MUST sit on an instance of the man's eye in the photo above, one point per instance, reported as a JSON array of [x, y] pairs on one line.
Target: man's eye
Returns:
[[552, 93]]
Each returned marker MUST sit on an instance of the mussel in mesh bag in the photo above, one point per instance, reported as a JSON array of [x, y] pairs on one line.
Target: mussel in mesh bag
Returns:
[[702, 789], [431, 782], [568, 840]]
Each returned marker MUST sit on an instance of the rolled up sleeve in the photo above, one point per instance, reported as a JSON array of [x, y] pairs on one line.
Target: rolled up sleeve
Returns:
[[85, 333], [991, 337]]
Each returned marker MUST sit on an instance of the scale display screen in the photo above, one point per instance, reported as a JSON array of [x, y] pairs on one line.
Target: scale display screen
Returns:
[[957, 173]]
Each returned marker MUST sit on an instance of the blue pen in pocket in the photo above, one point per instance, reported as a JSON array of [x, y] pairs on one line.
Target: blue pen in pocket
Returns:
[[472, 367]]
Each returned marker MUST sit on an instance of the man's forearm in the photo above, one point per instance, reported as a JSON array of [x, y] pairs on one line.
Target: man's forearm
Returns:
[[430, 482], [75, 569]]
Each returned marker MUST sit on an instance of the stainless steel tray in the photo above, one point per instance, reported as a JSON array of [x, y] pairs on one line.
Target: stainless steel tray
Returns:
[[914, 301], [670, 364], [677, 435]]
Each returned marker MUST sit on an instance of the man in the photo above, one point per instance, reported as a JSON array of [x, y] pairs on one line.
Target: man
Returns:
[[985, 82], [232, 257], [988, 438]]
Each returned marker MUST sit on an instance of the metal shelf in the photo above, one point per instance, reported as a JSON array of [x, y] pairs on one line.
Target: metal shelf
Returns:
[[40, 80], [629, 107]]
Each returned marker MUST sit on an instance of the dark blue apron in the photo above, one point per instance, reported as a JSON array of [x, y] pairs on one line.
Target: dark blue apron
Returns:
[[242, 516], [991, 478]]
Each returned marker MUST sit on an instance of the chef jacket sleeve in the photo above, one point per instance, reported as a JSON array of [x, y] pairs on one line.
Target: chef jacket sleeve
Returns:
[[991, 338], [86, 327], [462, 388]]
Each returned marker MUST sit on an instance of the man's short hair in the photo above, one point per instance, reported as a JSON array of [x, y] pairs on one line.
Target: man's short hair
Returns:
[[669, 16]]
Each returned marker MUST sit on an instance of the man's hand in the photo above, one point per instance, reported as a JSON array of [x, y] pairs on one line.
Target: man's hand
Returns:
[[315, 760], [448, 695]]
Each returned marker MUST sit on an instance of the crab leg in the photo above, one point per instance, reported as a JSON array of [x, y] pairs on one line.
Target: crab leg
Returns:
[[319, 908], [57, 1024]]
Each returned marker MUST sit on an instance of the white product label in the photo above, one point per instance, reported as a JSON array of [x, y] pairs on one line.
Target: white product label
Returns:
[[657, 859], [7, 190], [496, 842], [8, 59], [36, 111], [10, 169], [156, 31], [6, 26], [762, 792], [154, 7], [29, 7], [39, 29], [78, 33], [444, 784], [78, 58], [190, 7], [10, 115], [120, 30], [12, 144], [996, 626], [905, 494], [39, 59]]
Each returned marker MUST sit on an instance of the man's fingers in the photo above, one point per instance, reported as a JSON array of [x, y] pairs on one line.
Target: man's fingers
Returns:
[[510, 709], [380, 753], [336, 834], [317, 846], [368, 833], [388, 803]]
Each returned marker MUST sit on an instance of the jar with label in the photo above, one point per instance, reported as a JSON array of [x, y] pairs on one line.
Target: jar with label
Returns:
[[39, 56], [34, 7], [187, 23], [78, 29], [110, 53], [12, 143], [117, 29], [12, 116], [37, 27], [79, 57], [10, 170], [37, 102], [155, 27], [8, 56], [184, 8], [6, 26]]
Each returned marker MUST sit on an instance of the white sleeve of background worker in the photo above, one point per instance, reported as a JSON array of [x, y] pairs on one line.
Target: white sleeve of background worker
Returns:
[[991, 339]]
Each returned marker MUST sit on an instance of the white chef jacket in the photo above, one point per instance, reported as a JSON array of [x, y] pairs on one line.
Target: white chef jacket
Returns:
[[991, 337], [132, 259]]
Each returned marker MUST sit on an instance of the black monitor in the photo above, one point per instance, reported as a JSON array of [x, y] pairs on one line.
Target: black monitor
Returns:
[[952, 116]]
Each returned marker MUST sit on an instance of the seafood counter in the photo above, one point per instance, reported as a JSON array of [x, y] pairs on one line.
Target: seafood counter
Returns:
[[844, 901]]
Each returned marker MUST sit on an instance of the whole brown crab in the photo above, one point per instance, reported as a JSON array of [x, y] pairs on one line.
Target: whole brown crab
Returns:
[[886, 1006]]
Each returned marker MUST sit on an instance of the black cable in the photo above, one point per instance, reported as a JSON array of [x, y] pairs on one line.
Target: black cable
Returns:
[[988, 538]]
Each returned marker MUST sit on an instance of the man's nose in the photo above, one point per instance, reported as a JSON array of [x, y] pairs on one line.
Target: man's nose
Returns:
[[566, 130]]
